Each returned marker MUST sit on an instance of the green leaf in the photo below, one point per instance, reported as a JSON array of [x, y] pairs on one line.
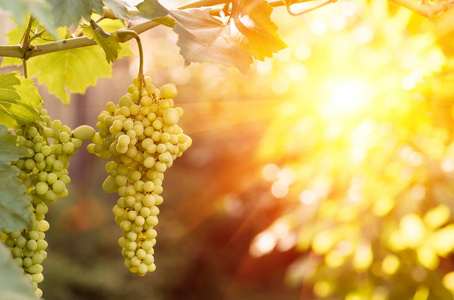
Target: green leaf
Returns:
[[13, 284], [39, 9], [70, 70], [21, 8], [125, 50], [9, 150], [118, 8], [108, 42], [109, 25], [18, 100], [14, 205], [152, 9], [69, 12]]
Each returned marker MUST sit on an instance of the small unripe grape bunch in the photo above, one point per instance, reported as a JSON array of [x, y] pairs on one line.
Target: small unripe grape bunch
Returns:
[[141, 137], [44, 173]]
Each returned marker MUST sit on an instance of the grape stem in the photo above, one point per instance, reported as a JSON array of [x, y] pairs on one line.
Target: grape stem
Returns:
[[139, 45], [24, 66], [41, 129]]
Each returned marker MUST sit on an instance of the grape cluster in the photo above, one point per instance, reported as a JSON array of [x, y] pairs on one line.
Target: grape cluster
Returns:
[[142, 137], [44, 173]]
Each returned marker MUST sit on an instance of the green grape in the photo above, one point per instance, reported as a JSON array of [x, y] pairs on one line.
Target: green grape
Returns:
[[143, 139], [110, 185], [68, 148], [124, 140], [171, 116], [44, 172], [41, 188], [168, 91], [84, 132], [58, 187], [64, 137]]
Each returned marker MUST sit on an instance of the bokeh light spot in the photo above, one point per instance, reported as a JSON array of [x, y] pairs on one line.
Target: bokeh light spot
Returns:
[[319, 26], [448, 281], [337, 22], [262, 244], [280, 85], [270, 172], [279, 190], [363, 34], [302, 52], [308, 197]]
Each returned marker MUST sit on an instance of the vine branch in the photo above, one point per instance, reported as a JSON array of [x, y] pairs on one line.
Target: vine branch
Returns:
[[37, 35], [425, 9], [290, 12], [24, 51], [26, 42], [77, 42], [26, 46]]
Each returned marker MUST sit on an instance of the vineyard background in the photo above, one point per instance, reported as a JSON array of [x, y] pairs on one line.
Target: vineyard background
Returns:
[[218, 200]]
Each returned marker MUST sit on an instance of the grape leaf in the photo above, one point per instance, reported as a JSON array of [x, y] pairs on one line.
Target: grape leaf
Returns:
[[18, 100], [13, 284], [202, 37], [248, 34], [107, 41], [74, 69], [166, 21], [125, 50], [118, 8], [109, 25], [14, 206], [136, 20], [69, 12], [39, 9], [152, 9], [55, 13], [252, 19]]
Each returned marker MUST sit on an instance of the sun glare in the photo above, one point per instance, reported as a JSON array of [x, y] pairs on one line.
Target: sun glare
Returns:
[[348, 97]]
